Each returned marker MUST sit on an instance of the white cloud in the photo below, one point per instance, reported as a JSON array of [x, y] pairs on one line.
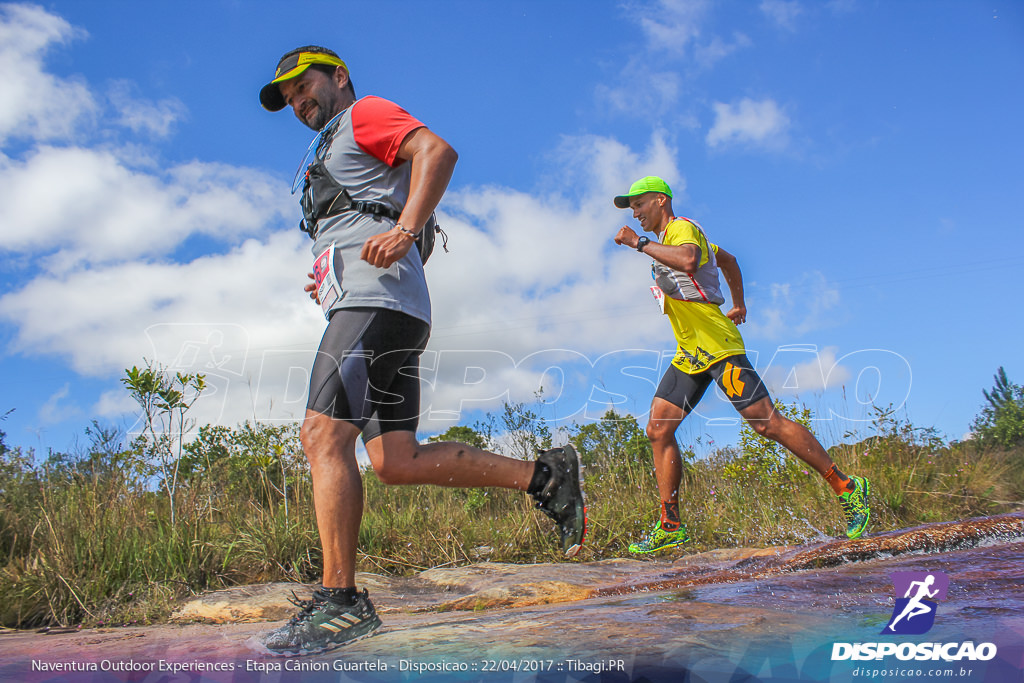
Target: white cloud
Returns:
[[37, 104], [784, 310], [674, 41], [105, 311], [68, 205], [113, 403], [55, 410], [100, 226], [88, 205], [605, 167], [783, 13], [670, 25], [842, 6], [241, 318], [139, 115], [675, 28], [801, 369], [718, 48], [759, 123], [646, 92]]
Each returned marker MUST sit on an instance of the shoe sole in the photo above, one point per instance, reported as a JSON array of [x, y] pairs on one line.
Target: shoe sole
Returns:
[[867, 517], [581, 508]]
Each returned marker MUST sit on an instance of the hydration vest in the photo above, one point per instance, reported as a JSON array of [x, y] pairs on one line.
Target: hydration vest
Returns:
[[324, 197], [702, 286]]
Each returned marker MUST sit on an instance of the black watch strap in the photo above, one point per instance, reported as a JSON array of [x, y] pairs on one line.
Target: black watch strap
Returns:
[[641, 243]]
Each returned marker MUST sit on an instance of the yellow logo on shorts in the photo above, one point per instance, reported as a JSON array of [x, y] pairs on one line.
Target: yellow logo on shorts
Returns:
[[732, 382]]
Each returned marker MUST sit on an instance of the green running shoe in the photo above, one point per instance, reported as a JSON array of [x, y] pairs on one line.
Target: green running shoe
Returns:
[[323, 625], [659, 539], [855, 507]]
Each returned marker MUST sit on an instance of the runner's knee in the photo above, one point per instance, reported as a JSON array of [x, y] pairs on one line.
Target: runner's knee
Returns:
[[312, 434], [390, 460], [391, 471], [761, 428], [327, 442], [771, 427], [387, 471], [661, 431]]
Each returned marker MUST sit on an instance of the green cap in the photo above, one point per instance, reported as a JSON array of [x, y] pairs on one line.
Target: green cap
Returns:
[[651, 183]]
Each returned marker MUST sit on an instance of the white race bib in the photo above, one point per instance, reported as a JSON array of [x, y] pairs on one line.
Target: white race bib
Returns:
[[659, 297], [328, 289]]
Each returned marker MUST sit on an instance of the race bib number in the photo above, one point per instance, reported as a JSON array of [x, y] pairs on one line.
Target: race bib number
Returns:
[[659, 297], [328, 289]]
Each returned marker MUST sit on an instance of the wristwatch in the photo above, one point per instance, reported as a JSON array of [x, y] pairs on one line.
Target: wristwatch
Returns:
[[642, 242]]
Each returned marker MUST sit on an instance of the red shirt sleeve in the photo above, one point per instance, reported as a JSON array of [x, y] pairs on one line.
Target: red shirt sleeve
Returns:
[[380, 126]]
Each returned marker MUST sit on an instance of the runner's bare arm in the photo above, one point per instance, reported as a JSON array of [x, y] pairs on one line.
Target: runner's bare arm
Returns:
[[684, 257], [730, 268], [433, 162]]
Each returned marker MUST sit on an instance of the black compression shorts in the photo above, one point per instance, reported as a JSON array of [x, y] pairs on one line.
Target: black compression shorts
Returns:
[[735, 376], [366, 370]]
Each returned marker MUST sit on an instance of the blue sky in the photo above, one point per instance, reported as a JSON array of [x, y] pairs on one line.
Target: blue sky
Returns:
[[863, 160]]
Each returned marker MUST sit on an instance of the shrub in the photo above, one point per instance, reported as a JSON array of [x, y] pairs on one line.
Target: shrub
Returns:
[[1001, 422]]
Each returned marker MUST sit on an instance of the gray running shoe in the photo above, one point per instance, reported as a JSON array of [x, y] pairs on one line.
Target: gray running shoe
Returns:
[[561, 499], [323, 625]]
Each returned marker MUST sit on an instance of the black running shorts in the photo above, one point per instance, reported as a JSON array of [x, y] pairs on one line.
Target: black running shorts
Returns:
[[735, 376], [366, 370]]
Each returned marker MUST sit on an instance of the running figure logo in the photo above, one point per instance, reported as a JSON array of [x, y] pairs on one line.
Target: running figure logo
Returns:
[[914, 613]]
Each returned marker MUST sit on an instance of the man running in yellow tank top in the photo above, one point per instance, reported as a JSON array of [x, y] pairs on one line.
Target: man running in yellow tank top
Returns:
[[709, 348]]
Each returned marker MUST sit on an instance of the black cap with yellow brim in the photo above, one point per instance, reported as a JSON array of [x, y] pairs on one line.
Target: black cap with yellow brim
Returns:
[[290, 66]]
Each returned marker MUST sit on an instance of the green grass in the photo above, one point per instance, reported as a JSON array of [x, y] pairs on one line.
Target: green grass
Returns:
[[82, 548]]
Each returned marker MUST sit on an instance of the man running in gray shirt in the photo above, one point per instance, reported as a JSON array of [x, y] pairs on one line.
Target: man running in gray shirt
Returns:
[[375, 177]]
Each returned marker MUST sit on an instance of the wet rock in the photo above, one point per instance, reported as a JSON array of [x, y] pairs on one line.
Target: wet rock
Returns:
[[479, 586], [930, 538], [489, 585], [733, 565], [722, 612], [241, 604], [273, 601], [520, 595]]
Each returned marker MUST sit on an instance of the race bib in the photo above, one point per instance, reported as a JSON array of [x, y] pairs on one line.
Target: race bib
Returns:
[[659, 297], [328, 289]]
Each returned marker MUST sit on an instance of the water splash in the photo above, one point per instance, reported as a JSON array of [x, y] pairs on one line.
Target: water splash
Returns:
[[922, 540]]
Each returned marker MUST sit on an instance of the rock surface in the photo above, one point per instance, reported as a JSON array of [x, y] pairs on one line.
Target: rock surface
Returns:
[[768, 613]]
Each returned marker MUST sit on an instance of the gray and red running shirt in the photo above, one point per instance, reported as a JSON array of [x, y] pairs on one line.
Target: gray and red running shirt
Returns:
[[363, 157]]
